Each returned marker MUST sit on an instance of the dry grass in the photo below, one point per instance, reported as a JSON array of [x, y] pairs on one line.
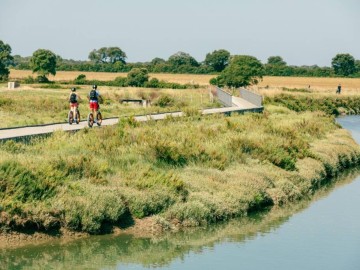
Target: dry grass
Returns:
[[107, 76], [272, 86], [315, 83], [274, 83], [30, 104]]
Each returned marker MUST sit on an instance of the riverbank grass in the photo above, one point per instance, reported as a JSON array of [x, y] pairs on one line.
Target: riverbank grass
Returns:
[[186, 172]]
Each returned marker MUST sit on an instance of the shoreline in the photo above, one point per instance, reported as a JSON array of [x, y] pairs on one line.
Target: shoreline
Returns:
[[146, 227]]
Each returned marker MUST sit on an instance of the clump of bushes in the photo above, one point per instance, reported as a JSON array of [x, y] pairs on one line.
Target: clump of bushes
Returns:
[[165, 101], [81, 79], [329, 105], [19, 184], [88, 208]]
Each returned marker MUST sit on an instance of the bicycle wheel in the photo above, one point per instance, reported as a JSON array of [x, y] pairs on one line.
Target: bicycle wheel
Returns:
[[70, 117], [98, 118], [77, 117], [90, 119]]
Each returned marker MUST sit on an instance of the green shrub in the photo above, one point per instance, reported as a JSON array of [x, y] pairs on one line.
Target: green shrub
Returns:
[[92, 209], [149, 202], [193, 213], [165, 101], [81, 79], [76, 167], [42, 79], [29, 80], [137, 77], [21, 184], [121, 81]]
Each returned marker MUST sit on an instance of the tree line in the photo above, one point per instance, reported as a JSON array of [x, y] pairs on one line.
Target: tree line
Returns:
[[113, 59]]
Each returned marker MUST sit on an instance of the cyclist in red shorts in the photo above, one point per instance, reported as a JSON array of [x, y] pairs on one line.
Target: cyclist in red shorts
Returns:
[[94, 97]]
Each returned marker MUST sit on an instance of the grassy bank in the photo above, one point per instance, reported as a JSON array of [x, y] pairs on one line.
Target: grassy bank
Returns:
[[300, 101], [184, 172], [161, 249]]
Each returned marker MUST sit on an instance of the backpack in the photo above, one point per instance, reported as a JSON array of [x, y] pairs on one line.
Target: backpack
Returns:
[[73, 98], [93, 95]]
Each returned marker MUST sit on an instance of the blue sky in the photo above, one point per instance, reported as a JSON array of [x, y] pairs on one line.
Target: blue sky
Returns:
[[303, 32]]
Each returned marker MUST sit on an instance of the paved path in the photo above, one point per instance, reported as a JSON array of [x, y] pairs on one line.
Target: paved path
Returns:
[[12, 133]]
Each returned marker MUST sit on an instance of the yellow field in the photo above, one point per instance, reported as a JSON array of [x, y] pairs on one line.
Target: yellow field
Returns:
[[273, 83], [314, 83], [107, 76]]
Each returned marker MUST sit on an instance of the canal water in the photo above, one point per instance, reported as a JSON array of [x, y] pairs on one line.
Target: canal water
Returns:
[[323, 233]]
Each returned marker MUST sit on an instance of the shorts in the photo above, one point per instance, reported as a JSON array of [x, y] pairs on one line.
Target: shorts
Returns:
[[94, 105], [72, 105]]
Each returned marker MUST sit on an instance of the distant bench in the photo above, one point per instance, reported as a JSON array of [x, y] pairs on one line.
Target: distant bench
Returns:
[[142, 102], [127, 100]]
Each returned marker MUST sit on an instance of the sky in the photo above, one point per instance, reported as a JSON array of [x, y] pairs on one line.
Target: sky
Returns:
[[302, 32]]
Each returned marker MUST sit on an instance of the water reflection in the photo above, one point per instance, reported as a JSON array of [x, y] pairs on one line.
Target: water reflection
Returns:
[[111, 251]]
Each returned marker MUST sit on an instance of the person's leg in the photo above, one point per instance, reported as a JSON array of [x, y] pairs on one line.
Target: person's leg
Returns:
[[72, 110], [96, 108], [92, 109], [76, 115]]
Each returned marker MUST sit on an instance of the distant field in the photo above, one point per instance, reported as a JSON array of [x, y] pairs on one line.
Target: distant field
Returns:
[[327, 84], [106, 76], [315, 83]]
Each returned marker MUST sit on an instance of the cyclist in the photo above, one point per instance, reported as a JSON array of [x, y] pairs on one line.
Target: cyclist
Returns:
[[94, 97], [73, 99]]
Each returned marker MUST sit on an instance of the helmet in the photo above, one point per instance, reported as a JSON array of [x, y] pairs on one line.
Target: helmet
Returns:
[[94, 86], [73, 89]]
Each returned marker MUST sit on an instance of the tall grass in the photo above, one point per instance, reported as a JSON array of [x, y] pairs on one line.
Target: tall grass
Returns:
[[34, 105], [189, 171], [332, 105]]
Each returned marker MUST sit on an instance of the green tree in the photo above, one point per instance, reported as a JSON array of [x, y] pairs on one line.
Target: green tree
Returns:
[[218, 59], [343, 64], [276, 66], [43, 62], [5, 60], [357, 65], [137, 77], [157, 61], [182, 59], [276, 60], [108, 55], [243, 70]]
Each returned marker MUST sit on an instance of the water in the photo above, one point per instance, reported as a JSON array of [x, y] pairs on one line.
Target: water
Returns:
[[320, 234]]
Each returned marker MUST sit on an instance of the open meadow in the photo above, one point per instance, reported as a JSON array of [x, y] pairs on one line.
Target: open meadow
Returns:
[[202, 80], [327, 85]]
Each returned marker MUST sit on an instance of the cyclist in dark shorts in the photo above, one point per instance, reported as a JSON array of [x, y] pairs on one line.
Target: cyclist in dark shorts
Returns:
[[74, 100]]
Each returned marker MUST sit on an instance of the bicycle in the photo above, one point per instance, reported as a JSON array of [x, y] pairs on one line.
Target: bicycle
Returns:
[[90, 119], [74, 119]]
